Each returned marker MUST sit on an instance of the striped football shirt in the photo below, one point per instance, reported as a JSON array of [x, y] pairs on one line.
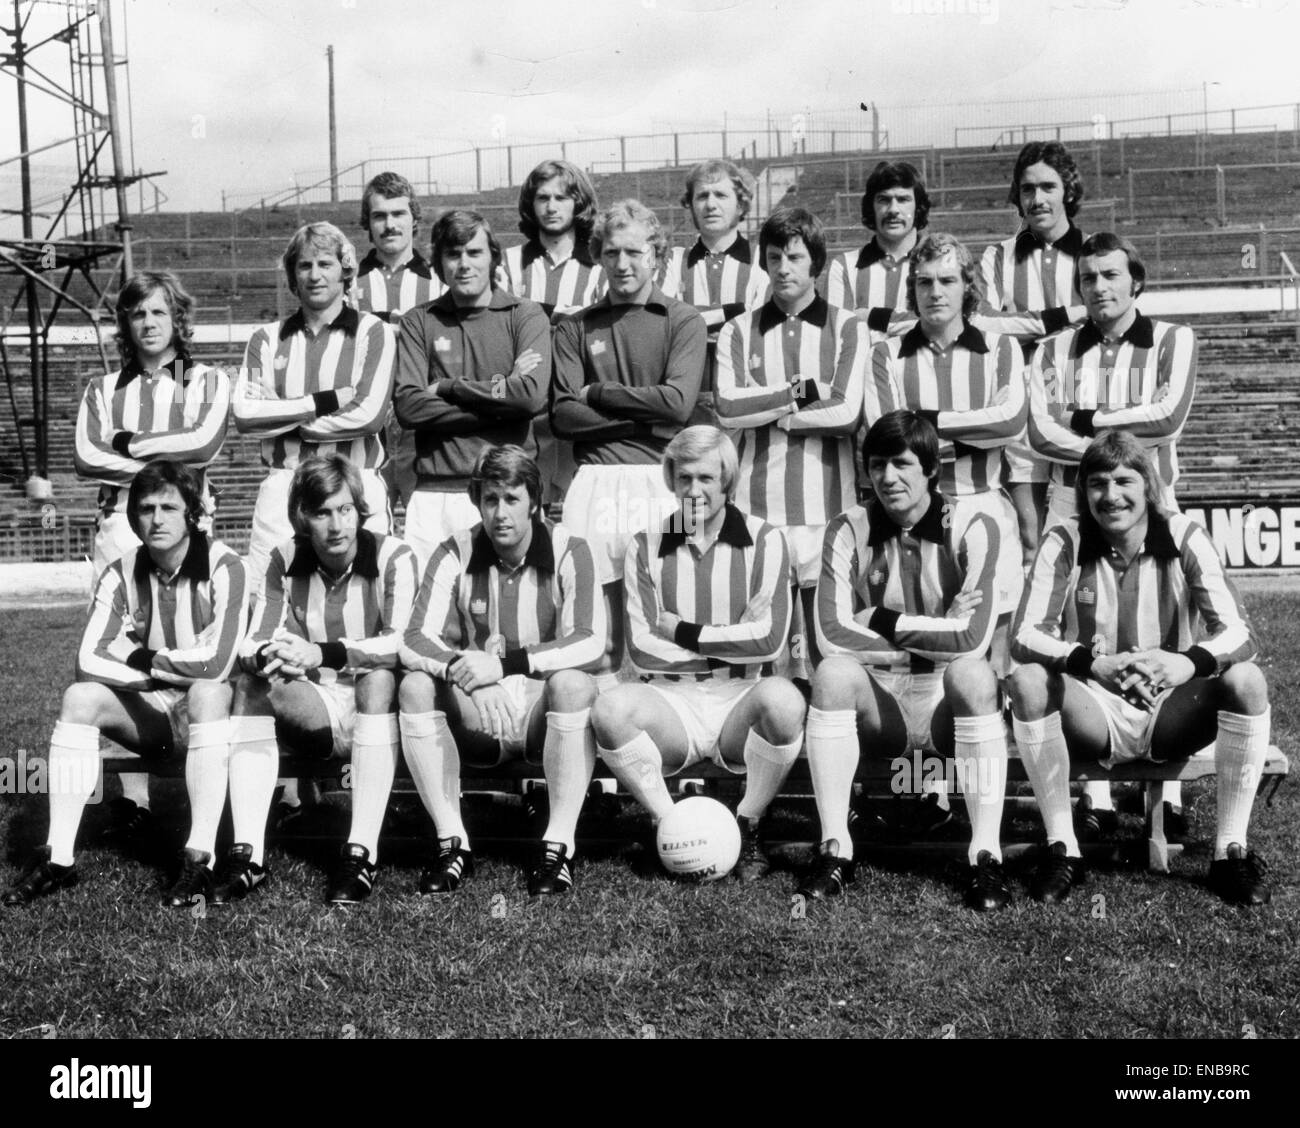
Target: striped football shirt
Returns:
[[549, 611], [1026, 285], [563, 287], [358, 619], [974, 392], [1081, 602], [709, 591], [1081, 384], [795, 443], [390, 293], [884, 591], [285, 367], [145, 627], [726, 283], [131, 417], [872, 280]]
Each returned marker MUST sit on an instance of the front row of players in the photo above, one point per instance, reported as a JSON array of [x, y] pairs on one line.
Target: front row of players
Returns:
[[1132, 644]]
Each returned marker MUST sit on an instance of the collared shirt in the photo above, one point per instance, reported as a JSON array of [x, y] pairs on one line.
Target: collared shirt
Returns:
[[549, 611], [455, 384], [869, 279], [390, 293], [286, 366], [1173, 595], [564, 287], [709, 590], [729, 280], [796, 444], [884, 592], [1035, 281], [976, 388], [642, 366], [131, 417], [357, 619], [1081, 384], [146, 628]]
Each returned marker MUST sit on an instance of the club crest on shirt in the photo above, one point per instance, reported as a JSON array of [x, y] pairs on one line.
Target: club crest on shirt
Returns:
[[877, 577], [281, 363], [1086, 595], [598, 347], [478, 607], [442, 344], [755, 363]]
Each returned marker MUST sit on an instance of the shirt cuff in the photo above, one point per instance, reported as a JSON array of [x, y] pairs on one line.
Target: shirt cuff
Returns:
[[1079, 663], [1081, 423], [594, 392], [732, 309], [326, 402], [121, 443], [1055, 319], [333, 655], [141, 660], [931, 416], [1205, 663], [687, 635], [808, 393], [884, 622], [515, 662], [878, 318]]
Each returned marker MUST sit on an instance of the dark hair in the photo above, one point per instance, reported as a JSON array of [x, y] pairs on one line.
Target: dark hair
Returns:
[[157, 476], [895, 174], [577, 186], [143, 285], [1109, 452], [1104, 242], [704, 172], [785, 225], [507, 465], [902, 430], [390, 185], [1057, 157], [324, 237], [935, 246], [319, 478], [454, 229]]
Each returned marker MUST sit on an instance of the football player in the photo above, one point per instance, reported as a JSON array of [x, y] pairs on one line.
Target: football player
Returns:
[[508, 617], [473, 369], [319, 672], [906, 607], [627, 374], [1134, 646], [708, 603], [152, 674], [159, 405]]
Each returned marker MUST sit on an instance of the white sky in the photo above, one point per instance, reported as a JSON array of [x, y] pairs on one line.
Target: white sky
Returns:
[[430, 75]]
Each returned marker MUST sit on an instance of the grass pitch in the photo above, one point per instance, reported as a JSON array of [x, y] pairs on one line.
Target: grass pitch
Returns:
[[631, 954]]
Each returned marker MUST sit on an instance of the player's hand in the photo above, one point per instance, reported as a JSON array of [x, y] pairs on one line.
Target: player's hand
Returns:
[[1112, 671], [496, 710], [526, 362], [964, 603], [759, 607], [347, 394], [1076, 314], [666, 624], [294, 652], [501, 280], [474, 669], [1163, 669]]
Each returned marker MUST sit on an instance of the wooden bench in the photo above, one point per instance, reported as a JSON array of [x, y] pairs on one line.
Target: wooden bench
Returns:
[[877, 776]]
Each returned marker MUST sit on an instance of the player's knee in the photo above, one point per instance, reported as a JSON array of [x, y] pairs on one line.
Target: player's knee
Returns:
[[613, 717], [82, 703], [376, 691], [971, 687], [1033, 691], [209, 700], [568, 691], [1242, 689], [781, 710], [833, 683], [415, 693]]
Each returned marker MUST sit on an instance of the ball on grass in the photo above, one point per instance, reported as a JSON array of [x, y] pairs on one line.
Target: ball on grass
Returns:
[[698, 840]]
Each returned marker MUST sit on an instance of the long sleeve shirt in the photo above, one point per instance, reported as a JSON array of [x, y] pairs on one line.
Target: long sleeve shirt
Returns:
[[559, 288], [872, 280], [390, 293], [1026, 285]]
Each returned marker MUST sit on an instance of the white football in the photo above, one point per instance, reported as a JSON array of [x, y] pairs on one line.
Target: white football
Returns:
[[698, 840]]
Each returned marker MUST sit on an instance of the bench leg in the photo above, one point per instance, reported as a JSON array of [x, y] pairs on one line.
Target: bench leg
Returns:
[[1157, 846]]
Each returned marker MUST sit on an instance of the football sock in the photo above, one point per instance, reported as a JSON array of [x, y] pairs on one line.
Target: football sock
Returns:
[[207, 765], [374, 763], [981, 753], [766, 766], [639, 767], [254, 764], [1098, 790], [568, 759], [832, 763], [1239, 753], [135, 786], [434, 760], [73, 772], [1047, 764]]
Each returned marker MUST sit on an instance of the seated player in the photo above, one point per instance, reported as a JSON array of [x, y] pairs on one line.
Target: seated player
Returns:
[[708, 603], [152, 674], [1134, 646], [508, 617], [905, 612], [319, 672]]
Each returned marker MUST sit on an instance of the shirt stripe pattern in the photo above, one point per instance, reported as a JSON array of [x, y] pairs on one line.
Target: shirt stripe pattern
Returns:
[[881, 284], [714, 280], [557, 617], [1173, 596], [796, 463], [391, 294], [563, 288], [192, 624], [1038, 281], [282, 373], [913, 578]]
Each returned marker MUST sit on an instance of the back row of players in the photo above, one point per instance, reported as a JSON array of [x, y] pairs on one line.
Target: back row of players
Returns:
[[700, 544]]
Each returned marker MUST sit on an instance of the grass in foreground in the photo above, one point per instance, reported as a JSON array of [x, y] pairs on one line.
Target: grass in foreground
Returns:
[[635, 956]]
